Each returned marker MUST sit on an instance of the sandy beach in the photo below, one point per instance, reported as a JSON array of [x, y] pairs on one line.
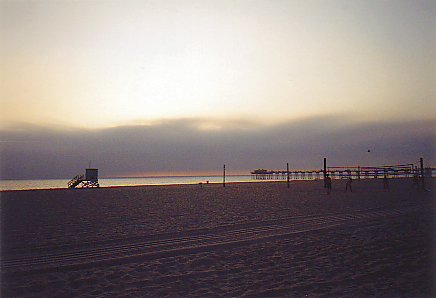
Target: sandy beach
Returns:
[[247, 239]]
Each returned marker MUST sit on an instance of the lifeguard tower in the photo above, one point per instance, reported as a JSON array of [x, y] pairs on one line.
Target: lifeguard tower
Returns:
[[90, 179]]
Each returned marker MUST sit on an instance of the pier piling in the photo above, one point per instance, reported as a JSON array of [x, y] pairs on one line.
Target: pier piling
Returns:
[[421, 163], [224, 175], [325, 172], [287, 173]]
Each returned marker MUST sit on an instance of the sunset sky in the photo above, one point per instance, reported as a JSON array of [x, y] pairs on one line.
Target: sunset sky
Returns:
[[143, 87]]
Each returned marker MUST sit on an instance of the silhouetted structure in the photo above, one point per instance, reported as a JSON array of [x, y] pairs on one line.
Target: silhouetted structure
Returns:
[[345, 172], [328, 183], [262, 174], [224, 176], [348, 184], [90, 179], [385, 182], [287, 174], [421, 163], [325, 172]]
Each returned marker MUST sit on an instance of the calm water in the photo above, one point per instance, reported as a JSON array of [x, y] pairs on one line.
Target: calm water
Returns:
[[62, 183]]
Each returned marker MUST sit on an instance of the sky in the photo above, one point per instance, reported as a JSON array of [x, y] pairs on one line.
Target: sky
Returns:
[[179, 87]]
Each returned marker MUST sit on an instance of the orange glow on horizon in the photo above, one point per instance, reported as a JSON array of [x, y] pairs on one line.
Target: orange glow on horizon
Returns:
[[175, 174]]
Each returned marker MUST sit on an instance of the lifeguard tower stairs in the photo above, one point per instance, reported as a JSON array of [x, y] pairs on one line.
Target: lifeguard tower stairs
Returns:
[[90, 179]]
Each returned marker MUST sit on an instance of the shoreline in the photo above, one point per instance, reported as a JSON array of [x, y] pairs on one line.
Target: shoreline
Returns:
[[201, 183], [143, 185]]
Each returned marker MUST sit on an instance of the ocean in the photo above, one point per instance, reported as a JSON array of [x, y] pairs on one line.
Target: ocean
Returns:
[[106, 182]]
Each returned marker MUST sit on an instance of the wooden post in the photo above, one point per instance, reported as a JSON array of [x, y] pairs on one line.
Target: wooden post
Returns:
[[421, 162], [224, 176], [287, 173], [325, 172]]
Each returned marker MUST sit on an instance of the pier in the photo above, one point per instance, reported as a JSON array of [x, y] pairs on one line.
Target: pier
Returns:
[[262, 174], [407, 170]]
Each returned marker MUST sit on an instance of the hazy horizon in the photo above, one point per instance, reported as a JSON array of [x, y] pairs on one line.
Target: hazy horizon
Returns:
[[184, 147]]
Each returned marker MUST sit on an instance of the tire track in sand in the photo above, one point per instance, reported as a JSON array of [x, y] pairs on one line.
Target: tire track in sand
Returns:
[[125, 252]]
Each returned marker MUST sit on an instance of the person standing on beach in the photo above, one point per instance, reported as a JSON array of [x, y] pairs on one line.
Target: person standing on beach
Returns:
[[385, 182], [329, 184], [348, 184], [415, 181]]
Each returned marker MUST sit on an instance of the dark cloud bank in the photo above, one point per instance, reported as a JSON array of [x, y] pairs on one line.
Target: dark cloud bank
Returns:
[[180, 146]]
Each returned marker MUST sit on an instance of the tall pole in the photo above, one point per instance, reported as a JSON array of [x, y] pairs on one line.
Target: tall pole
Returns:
[[325, 172], [287, 173], [224, 175], [421, 162]]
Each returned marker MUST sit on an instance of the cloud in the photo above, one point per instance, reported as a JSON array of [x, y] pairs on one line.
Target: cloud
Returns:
[[203, 145]]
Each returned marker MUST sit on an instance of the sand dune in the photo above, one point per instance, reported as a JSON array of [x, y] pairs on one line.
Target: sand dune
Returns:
[[252, 239]]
